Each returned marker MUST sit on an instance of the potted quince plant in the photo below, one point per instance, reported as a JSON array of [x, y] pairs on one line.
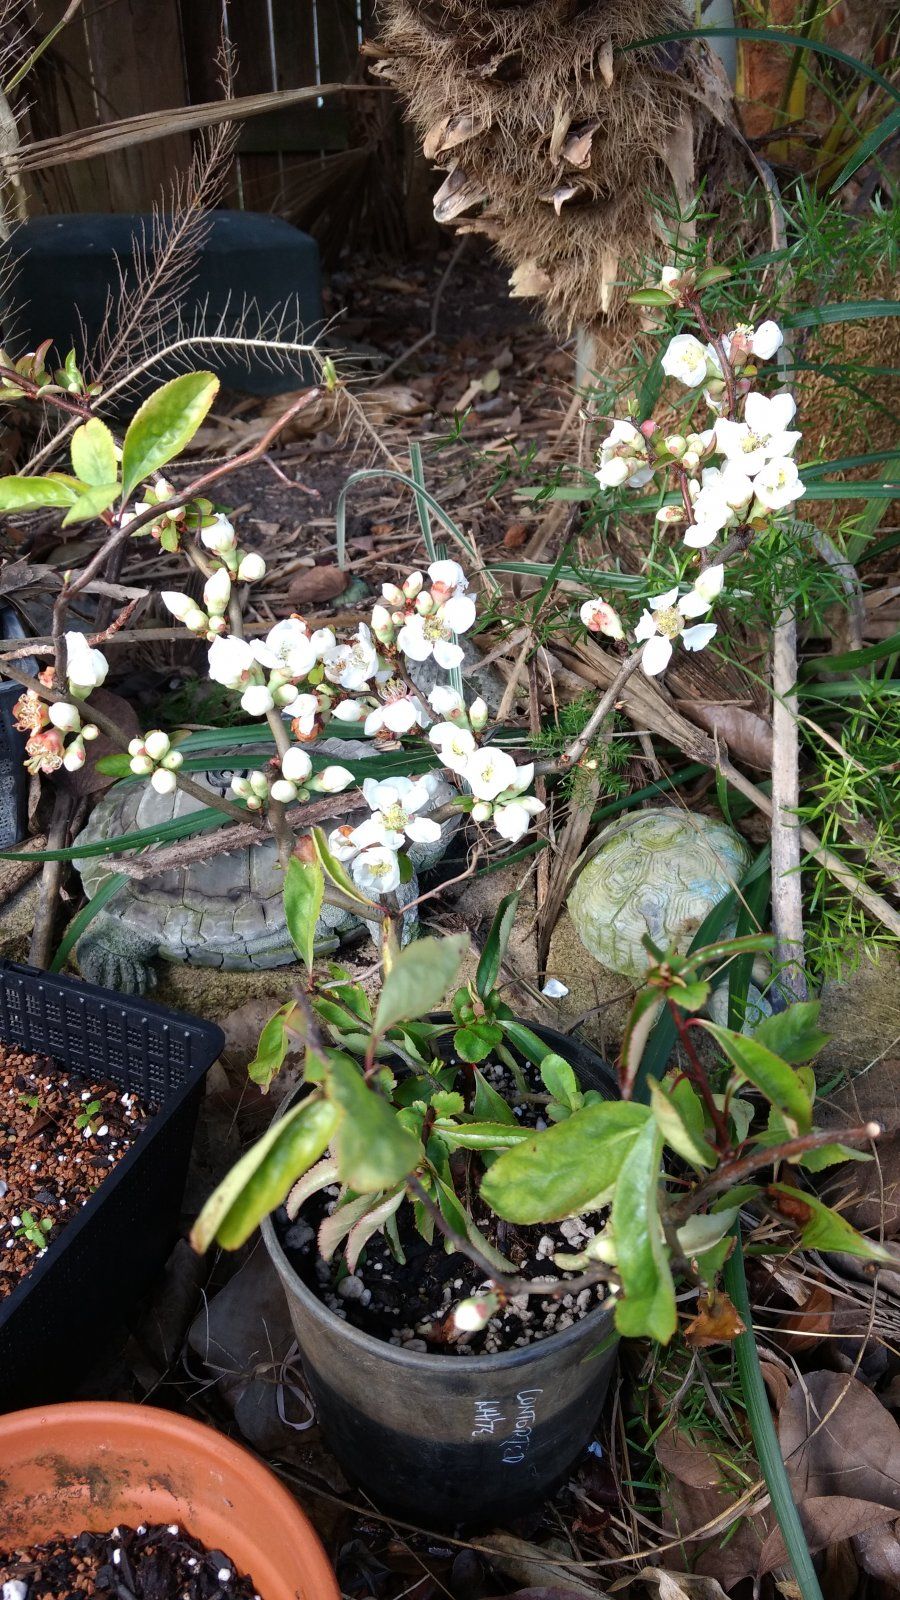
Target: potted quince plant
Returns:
[[466, 1211]]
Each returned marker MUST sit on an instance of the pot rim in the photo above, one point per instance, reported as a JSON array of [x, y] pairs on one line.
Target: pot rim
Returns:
[[424, 1361], [155, 1426]]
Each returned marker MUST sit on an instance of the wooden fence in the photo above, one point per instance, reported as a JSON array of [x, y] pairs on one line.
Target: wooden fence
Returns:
[[116, 58]]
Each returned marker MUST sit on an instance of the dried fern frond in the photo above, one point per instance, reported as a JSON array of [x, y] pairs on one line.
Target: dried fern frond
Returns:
[[554, 136]]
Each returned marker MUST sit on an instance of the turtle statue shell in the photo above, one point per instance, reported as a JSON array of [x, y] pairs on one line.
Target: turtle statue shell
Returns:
[[655, 872], [225, 911]]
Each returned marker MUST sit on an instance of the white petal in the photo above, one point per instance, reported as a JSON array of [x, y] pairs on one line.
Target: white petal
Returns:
[[412, 641], [657, 655], [662, 602], [447, 655], [459, 613], [698, 637], [698, 537], [422, 830], [693, 604], [646, 627]]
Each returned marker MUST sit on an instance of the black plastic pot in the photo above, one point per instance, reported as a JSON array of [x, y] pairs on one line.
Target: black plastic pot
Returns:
[[57, 1321], [449, 1440]]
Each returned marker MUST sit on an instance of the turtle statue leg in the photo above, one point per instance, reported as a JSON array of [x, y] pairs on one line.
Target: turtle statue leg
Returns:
[[116, 956]]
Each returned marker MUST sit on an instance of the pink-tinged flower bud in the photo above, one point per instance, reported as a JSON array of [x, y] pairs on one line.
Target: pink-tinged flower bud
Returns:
[[412, 586], [393, 595], [162, 780], [241, 787], [251, 568], [90, 732], [690, 460], [217, 592], [382, 625], [472, 1315], [254, 803], [676, 444], [478, 715], [136, 748], [647, 428], [73, 760], [283, 791], [599, 617], [217, 625], [424, 604]]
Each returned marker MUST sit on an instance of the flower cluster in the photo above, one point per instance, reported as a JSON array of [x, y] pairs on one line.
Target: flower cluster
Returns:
[[57, 735], [423, 621], [296, 782], [372, 849], [153, 757]]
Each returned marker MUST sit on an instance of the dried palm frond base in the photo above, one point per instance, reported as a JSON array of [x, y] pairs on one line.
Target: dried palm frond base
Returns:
[[556, 137]]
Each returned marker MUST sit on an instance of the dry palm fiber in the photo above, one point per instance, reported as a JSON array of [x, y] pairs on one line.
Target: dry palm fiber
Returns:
[[554, 140]]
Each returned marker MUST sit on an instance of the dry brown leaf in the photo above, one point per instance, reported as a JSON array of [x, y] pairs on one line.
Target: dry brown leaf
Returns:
[[515, 535], [855, 1454], [560, 195], [747, 734], [534, 1565], [826, 1520], [687, 1460], [315, 584], [679, 1585], [878, 1552], [777, 1382], [804, 1329], [715, 1323]]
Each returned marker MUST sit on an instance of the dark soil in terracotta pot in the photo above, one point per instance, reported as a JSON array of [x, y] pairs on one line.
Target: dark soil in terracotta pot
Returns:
[[145, 1563], [410, 1304], [61, 1134]]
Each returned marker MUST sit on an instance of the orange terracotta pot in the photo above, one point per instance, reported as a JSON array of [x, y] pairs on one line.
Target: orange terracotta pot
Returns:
[[92, 1465]]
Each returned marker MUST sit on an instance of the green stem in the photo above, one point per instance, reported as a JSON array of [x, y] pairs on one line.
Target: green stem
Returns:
[[762, 1429]]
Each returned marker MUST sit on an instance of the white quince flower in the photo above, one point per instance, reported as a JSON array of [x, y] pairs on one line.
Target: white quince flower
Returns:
[[663, 622], [256, 700], [231, 661], [778, 484], [454, 745], [348, 711], [424, 636], [512, 818], [287, 648], [86, 669], [399, 714], [219, 536], [352, 666], [489, 771], [766, 340], [762, 435], [303, 712], [624, 458], [394, 804], [687, 360], [598, 617], [376, 870], [217, 592], [296, 765], [447, 579], [708, 587]]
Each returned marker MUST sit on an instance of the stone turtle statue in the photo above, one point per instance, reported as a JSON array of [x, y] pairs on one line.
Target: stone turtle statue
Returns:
[[656, 872], [224, 912]]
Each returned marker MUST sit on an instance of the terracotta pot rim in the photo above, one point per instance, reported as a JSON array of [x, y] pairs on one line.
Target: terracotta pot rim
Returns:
[[153, 1426]]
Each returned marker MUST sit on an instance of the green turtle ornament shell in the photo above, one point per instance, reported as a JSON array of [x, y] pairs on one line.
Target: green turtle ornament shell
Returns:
[[655, 872], [225, 911]]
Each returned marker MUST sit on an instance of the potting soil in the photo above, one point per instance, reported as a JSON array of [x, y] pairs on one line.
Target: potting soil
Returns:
[[145, 1563]]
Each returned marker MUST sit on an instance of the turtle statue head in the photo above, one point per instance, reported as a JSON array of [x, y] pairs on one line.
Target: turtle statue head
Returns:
[[656, 872]]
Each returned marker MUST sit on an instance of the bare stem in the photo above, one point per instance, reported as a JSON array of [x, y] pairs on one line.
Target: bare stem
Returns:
[[731, 1173]]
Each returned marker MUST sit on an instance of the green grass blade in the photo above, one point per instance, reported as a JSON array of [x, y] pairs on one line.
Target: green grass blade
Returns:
[[853, 658], [852, 491], [200, 821], [626, 582], [86, 915], [762, 1429], [865, 151], [840, 311]]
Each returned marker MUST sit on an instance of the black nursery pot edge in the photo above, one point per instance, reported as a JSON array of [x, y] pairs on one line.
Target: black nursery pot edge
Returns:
[[57, 1321], [456, 1440]]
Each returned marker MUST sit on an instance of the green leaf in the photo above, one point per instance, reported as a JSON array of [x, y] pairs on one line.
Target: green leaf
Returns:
[[479, 1135], [86, 915], [272, 1046], [824, 1229], [702, 1233], [94, 454], [263, 1177], [334, 869], [651, 297], [525, 1041], [646, 1308], [304, 888], [488, 1105], [641, 1022], [91, 504], [373, 1149], [679, 1133], [769, 1074], [476, 1041], [458, 1218], [566, 1168], [30, 494], [559, 1080], [831, 1155], [851, 659], [845, 311], [419, 979], [200, 821], [868, 147], [164, 424], [793, 1034], [495, 945]]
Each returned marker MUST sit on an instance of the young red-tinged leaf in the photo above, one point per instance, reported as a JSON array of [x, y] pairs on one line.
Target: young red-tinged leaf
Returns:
[[822, 1228], [769, 1074], [640, 1025], [646, 1308]]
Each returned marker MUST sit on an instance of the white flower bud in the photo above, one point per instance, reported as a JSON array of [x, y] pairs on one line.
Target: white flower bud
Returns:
[[285, 694], [283, 791], [162, 780], [676, 444], [219, 536], [157, 744], [90, 731], [393, 595], [216, 625], [296, 764], [482, 811], [217, 592], [472, 1315], [257, 700], [332, 780], [478, 714], [382, 625], [141, 766], [254, 803], [241, 787], [196, 620], [251, 567], [173, 760], [65, 716], [259, 784], [424, 604], [73, 759], [412, 585], [690, 460], [136, 748], [179, 604]]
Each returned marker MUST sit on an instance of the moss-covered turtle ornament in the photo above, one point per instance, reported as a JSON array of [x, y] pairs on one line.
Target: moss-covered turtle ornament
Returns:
[[655, 872]]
